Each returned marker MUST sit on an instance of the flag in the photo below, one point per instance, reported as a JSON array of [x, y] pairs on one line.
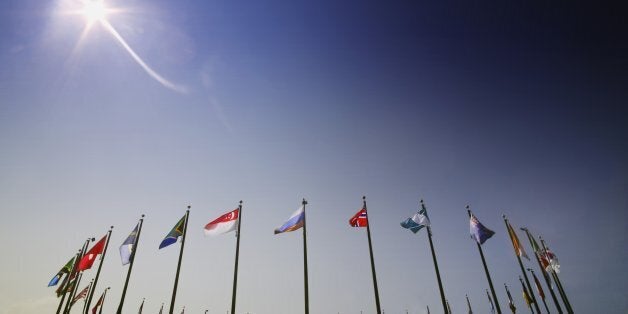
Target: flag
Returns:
[[550, 261], [539, 289], [88, 259], [511, 304], [417, 222], [127, 249], [360, 219], [516, 244], [66, 285], [174, 234], [526, 296], [81, 294], [535, 246], [101, 300], [295, 221], [66, 269], [223, 224], [478, 231], [142, 306]]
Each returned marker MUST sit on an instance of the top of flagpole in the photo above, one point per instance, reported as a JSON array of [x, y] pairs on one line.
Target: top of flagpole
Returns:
[[468, 210], [304, 202]]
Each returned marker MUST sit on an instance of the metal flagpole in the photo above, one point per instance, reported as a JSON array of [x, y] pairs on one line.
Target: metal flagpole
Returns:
[[440, 284], [132, 261], [237, 255], [66, 281], [368, 234], [557, 281], [468, 304], [545, 274], [102, 259], [74, 273], [488, 275], [305, 281], [77, 282], [525, 292], [490, 301], [103, 300], [176, 278], [523, 271], [89, 290]]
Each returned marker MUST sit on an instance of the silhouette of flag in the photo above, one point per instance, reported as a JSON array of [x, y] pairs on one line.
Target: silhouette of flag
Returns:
[[101, 300], [81, 294]]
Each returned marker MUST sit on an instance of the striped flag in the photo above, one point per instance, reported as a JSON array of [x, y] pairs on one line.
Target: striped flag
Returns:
[[81, 294]]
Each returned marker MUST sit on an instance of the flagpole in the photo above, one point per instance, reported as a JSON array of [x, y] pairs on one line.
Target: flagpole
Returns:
[[103, 300], [557, 281], [511, 304], [523, 271], [368, 234], [525, 291], [176, 278], [89, 290], [536, 281], [79, 255], [490, 302], [102, 259], [488, 276], [66, 281], [440, 284], [545, 275], [305, 282], [68, 305], [237, 256], [469, 304], [132, 257]]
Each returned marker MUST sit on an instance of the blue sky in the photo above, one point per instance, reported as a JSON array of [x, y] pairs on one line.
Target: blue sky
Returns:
[[515, 109]]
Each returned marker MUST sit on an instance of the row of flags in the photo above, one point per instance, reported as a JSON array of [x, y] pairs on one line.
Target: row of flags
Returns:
[[230, 221]]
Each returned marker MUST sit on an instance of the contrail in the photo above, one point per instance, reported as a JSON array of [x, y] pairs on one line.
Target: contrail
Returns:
[[148, 69]]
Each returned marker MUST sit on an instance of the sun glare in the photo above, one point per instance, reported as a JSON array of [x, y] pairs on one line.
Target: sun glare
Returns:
[[94, 10]]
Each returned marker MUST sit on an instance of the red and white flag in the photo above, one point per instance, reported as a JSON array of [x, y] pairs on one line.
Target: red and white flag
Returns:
[[360, 219], [223, 224], [88, 260]]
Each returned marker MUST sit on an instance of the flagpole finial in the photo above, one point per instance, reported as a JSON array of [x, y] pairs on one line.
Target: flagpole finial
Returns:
[[524, 229], [240, 202], [421, 201], [143, 216], [189, 207], [111, 228], [504, 216], [304, 202], [92, 239]]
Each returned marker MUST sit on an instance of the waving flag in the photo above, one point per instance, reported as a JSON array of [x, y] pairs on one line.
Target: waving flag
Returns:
[[127, 249], [67, 285], [223, 224], [478, 231], [174, 234], [360, 219], [66, 269], [81, 294], [539, 289], [295, 221], [101, 300], [516, 244], [88, 259], [550, 261], [417, 222]]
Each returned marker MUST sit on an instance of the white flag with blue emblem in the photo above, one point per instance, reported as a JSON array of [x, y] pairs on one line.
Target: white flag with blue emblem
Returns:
[[417, 222]]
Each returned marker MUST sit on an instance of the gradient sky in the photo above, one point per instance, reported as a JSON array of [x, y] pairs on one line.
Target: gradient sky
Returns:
[[514, 108]]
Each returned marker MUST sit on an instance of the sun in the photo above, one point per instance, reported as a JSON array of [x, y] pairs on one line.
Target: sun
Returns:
[[94, 10]]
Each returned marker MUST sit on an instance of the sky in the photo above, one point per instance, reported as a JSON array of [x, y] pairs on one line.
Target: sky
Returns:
[[515, 108]]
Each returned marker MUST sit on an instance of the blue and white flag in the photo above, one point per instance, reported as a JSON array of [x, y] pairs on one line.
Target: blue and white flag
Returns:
[[417, 222], [128, 247], [295, 221]]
